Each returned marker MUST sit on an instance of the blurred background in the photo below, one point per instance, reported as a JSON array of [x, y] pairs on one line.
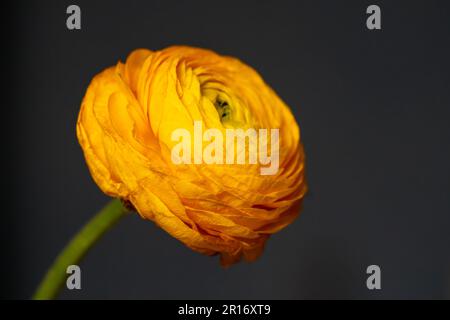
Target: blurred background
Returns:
[[374, 111]]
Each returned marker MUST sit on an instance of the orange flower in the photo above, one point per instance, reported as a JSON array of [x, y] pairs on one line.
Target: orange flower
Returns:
[[126, 128]]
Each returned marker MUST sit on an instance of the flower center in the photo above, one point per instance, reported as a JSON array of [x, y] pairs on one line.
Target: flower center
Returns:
[[223, 109]]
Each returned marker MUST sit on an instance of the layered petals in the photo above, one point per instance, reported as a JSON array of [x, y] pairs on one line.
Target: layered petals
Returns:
[[125, 128]]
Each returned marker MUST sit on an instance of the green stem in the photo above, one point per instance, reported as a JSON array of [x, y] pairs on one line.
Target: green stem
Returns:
[[78, 247]]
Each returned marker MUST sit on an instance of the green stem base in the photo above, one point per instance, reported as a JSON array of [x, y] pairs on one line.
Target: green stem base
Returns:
[[77, 248]]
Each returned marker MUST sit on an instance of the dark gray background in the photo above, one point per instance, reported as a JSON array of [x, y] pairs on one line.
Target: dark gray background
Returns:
[[374, 112]]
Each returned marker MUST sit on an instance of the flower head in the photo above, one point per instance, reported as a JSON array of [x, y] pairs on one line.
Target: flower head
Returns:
[[127, 125]]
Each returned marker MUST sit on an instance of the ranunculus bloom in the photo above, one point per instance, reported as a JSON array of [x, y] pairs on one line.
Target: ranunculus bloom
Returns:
[[125, 125]]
